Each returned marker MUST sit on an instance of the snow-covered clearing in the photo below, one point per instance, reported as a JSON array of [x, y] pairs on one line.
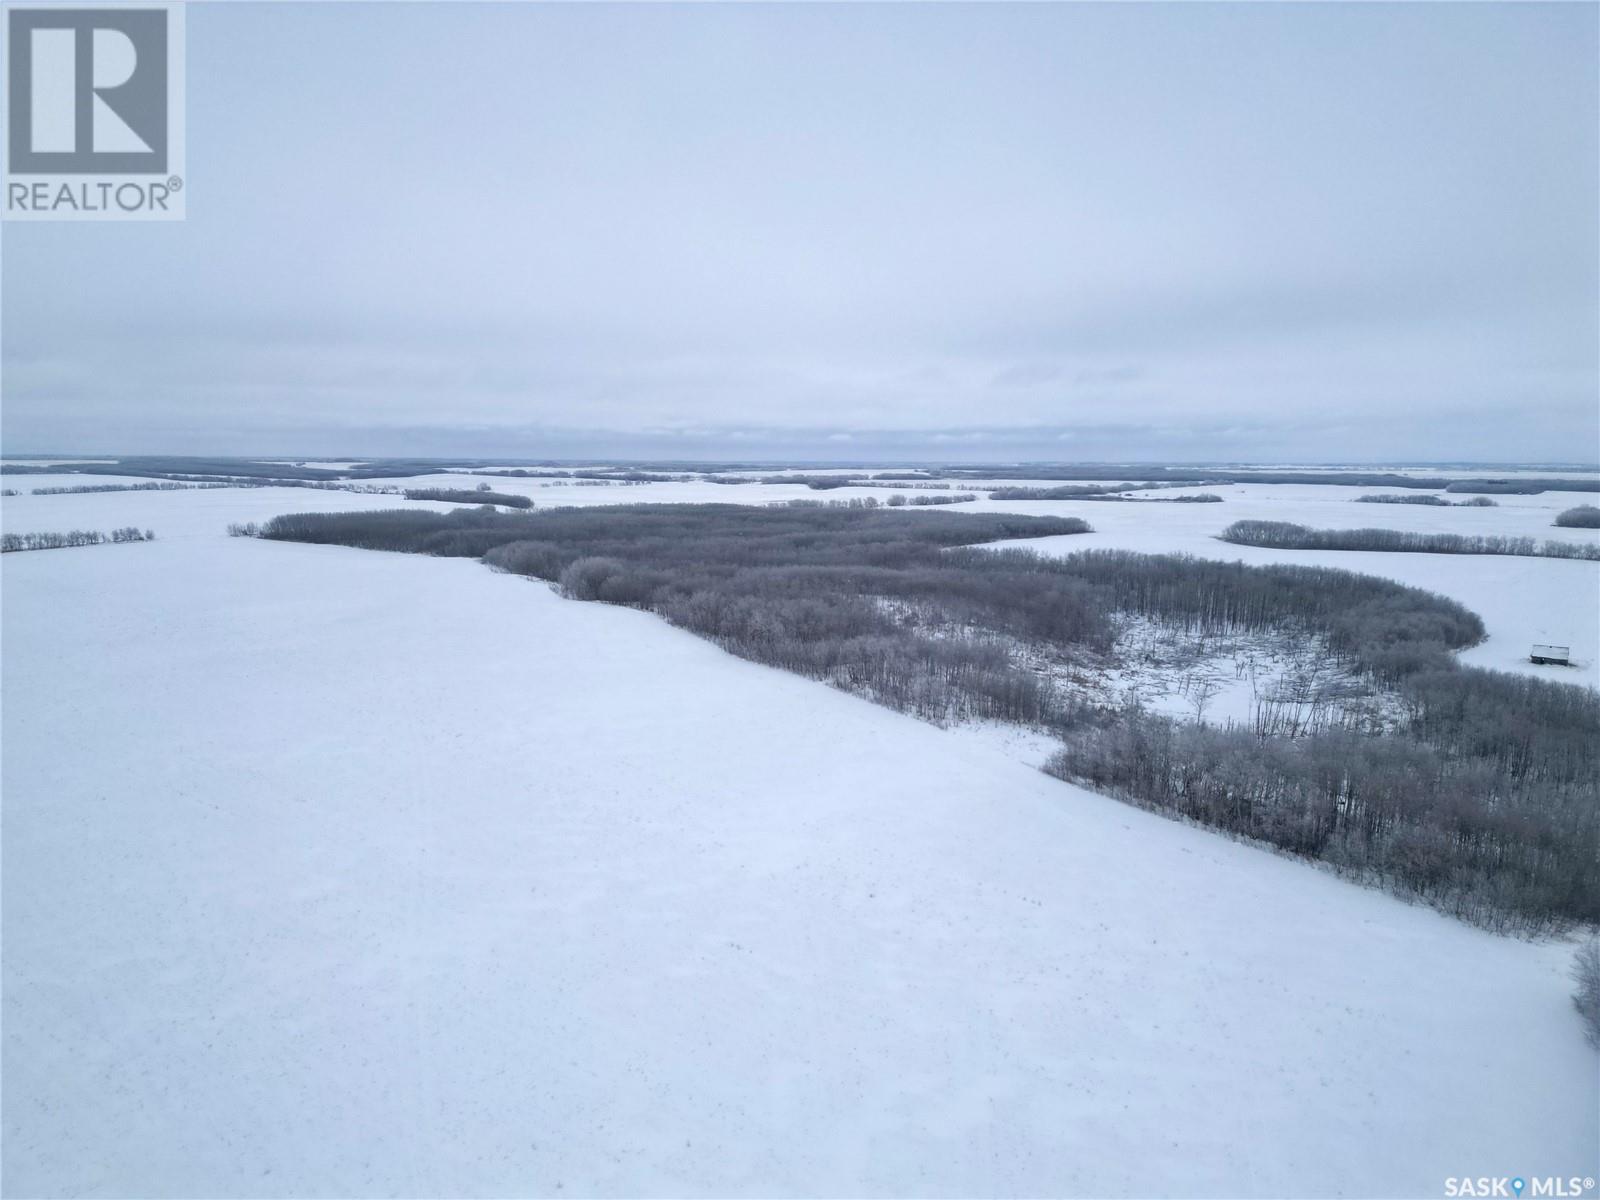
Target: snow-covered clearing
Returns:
[[1264, 680], [330, 872]]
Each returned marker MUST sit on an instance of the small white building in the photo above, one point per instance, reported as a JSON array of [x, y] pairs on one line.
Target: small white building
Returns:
[[1557, 655]]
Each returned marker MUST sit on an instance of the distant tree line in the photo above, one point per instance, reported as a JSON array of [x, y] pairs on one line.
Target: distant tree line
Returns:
[[817, 483], [125, 487], [610, 476], [1105, 492], [1075, 491], [462, 496], [316, 485], [1435, 501], [13, 542], [176, 467], [1284, 535], [187, 483], [1584, 516], [1482, 801], [629, 476], [1510, 487], [1203, 475], [203, 469], [896, 501]]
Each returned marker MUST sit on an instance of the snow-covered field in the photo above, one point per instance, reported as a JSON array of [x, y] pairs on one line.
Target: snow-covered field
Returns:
[[329, 872]]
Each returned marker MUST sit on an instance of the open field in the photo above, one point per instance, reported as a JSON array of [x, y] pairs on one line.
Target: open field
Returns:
[[388, 875]]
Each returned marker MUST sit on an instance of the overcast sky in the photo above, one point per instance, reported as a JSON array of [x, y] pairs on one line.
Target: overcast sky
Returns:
[[1246, 232]]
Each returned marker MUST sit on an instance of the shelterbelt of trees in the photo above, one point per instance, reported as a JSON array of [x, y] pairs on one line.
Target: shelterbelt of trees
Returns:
[[462, 496], [1480, 800], [1435, 501], [11, 543], [1285, 535]]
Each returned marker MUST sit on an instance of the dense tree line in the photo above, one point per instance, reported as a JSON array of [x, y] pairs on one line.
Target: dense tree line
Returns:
[[184, 483], [124, 487], [897, 501], [167, 466], [1076, 491], [1188, 474], [463, 496], [1457, 831], [1434, 501], [1105, 492], [1284, 535], [1202, 475], [817, 483], [626, 476], [318, 485], [175, 467], [1584, 516], [1501, 487], [1484, 805], [1481, 801], [13, 542], [836, 591], [853, 502], [1387, 498]]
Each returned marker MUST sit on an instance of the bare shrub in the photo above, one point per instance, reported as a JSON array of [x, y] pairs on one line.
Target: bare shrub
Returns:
[[542, 560], [1584, 516], [1586, 974], [587, 578]]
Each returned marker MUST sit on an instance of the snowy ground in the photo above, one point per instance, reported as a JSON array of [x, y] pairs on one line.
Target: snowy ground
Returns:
[[329, 872]]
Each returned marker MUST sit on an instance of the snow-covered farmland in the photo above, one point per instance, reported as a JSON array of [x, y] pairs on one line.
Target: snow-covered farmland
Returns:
[[334, 872]]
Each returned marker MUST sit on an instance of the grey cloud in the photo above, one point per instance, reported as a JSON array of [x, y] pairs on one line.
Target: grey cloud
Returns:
[[1147, 230]]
